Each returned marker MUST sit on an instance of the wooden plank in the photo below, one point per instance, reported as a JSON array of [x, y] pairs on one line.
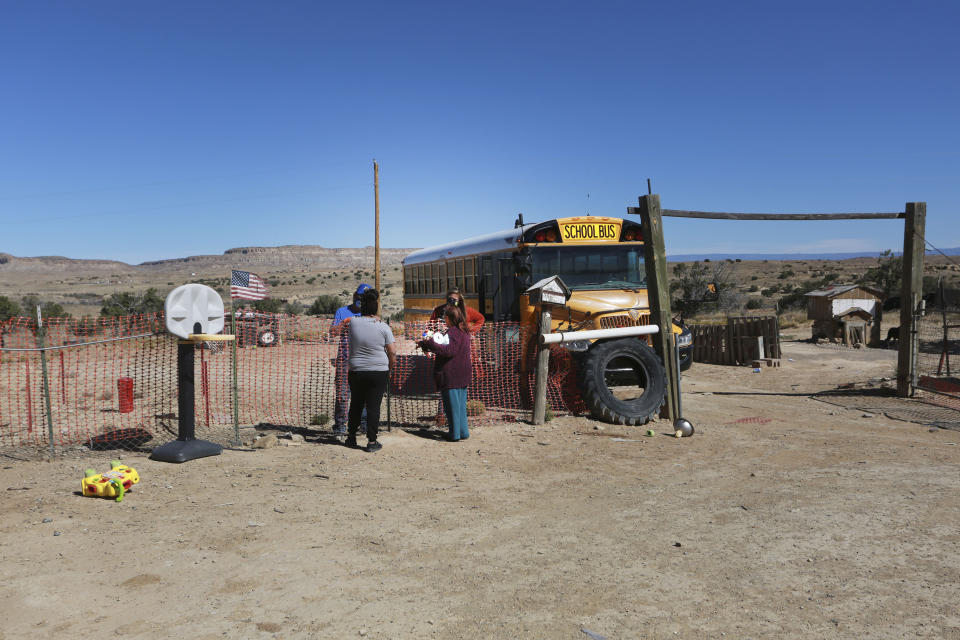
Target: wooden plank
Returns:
[[730, 358], [910, 291], [658, 294], [723, 215]]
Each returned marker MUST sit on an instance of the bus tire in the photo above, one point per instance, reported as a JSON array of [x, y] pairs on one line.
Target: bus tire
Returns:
[[623, 353]]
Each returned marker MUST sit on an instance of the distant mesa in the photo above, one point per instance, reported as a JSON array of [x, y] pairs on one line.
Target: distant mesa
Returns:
[[265, 258]]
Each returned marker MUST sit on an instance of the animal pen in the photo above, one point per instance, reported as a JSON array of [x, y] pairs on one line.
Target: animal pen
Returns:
[[914, 216]]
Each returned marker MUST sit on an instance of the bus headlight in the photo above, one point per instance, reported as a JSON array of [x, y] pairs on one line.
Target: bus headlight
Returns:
[[577, 345], [685, 339]]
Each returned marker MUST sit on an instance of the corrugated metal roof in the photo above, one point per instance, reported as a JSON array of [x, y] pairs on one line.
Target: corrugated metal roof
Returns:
[[855, 311], [837, 289]]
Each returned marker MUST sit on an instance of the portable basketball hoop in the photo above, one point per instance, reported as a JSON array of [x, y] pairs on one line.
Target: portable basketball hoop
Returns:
[[193, 313]]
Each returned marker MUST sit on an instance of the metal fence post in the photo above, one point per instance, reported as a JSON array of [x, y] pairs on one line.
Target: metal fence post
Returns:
[[389, 374], [236, 402], [46, 377]]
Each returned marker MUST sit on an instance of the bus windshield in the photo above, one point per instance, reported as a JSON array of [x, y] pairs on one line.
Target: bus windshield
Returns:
[[591, 267]]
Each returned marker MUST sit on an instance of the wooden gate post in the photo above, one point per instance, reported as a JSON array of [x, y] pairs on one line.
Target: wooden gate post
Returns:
[[658, 294], [543, 367], [911, 292]]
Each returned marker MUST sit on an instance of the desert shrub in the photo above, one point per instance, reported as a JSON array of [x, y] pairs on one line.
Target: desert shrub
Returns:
[[8, 308], [128, 303], [293, 308], [319, 419], [754, 303], [270, 305], [324, 305]]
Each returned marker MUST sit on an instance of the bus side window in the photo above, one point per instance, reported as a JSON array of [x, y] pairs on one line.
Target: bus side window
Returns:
[[435, 279], [469, 275], [444, 286]]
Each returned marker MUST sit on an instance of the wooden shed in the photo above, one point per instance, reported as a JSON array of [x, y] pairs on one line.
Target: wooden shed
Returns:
[[849, 312]]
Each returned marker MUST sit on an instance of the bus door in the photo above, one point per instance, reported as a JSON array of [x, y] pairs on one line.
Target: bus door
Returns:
[[505, 305]]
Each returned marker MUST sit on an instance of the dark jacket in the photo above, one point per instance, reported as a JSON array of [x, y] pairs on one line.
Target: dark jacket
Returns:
[[451, 369]]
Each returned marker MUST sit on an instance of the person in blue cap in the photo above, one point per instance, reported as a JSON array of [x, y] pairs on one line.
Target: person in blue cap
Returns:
[[340, 321]]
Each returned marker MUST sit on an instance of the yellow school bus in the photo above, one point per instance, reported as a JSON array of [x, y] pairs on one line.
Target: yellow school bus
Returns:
[[600, 259]]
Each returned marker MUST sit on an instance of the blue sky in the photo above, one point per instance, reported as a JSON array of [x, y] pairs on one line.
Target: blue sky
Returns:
[[149, 130]]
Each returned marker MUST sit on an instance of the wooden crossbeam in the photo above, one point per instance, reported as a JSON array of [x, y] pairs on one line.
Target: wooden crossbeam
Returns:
[[722, 215]]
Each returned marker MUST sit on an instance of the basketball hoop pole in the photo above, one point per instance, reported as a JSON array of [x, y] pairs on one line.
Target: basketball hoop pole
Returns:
[[186, 446]]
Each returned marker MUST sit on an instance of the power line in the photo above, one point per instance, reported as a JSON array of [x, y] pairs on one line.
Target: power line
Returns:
[[949, 259]]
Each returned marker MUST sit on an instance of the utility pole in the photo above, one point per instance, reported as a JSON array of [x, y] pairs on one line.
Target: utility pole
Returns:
[[376, 242]]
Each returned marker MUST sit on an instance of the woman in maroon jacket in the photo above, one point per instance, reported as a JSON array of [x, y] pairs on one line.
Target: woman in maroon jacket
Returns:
[[451, 370]]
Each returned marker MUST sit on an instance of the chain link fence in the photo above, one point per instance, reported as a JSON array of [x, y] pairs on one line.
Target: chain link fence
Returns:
[[938, 346]]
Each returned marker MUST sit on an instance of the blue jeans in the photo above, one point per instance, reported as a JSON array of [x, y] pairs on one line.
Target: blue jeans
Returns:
[[455, 408]]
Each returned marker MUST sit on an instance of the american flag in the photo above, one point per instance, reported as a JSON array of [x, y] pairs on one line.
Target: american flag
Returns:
[[247, 286]]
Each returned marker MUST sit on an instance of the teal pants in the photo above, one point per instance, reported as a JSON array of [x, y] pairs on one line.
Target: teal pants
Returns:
[[455, 408]]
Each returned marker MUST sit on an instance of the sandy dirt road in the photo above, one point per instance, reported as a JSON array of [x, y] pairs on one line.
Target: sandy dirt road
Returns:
[[783, 517]]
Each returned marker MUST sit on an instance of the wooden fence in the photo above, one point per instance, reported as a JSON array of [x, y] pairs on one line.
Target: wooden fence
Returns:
[[737, 341]]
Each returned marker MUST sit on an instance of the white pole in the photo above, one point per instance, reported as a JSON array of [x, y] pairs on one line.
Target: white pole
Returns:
[[622, 332]]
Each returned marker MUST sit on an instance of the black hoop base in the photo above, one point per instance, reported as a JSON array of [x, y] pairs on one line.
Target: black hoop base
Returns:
[[186, 446], [184, 450]]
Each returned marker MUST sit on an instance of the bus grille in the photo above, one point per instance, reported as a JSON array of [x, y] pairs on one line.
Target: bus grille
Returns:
[[623, 320]]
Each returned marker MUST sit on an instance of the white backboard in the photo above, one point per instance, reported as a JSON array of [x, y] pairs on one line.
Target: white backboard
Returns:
[[190, 304]]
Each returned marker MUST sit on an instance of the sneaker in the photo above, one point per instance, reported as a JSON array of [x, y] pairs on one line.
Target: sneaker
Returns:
[[373, 446], [351, 442], [339, 430]]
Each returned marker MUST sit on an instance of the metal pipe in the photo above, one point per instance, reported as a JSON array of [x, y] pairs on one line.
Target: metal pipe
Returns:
[[620, 332], [79, 344]]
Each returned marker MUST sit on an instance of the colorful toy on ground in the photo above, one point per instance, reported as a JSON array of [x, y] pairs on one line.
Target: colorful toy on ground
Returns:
[[112, 484]]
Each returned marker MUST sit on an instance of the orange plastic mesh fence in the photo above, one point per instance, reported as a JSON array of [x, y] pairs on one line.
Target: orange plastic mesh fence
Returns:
[[113, 381]]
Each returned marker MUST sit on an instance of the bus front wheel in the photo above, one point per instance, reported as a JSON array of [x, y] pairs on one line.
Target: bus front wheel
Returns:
[[623, 381]]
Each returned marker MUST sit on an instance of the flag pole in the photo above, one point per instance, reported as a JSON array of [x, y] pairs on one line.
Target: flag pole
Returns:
[[376, 241]]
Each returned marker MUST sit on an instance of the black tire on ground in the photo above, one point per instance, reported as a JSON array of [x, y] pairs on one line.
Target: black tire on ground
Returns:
[[686, 359], [267, 338], [606, 362]]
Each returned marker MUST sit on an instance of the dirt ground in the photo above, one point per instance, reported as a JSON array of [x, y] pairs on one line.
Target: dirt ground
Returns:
[[783, 517]]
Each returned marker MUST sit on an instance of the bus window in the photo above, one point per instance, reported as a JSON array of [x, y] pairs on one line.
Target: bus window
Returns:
[[435, 278], [468, 276]]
